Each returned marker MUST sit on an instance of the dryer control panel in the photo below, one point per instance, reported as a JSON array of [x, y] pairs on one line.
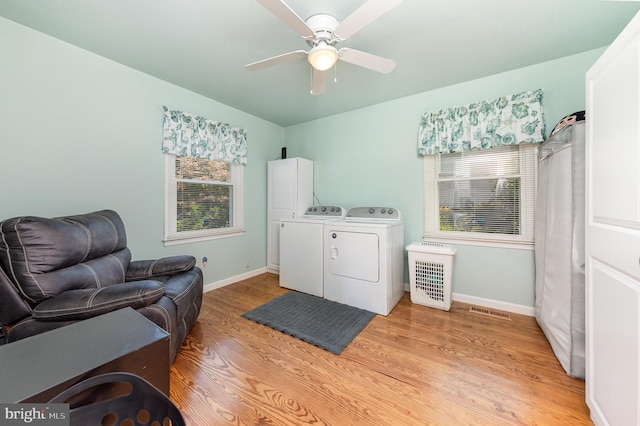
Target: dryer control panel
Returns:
[[374, 214]]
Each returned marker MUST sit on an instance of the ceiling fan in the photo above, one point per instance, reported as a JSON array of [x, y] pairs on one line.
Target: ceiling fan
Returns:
[[322, 32]]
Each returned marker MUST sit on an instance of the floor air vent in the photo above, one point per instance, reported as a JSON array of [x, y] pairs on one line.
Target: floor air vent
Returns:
[[490, 312]]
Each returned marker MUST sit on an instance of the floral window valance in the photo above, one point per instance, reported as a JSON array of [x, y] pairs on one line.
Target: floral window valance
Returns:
[[507, 120], [194, 136]]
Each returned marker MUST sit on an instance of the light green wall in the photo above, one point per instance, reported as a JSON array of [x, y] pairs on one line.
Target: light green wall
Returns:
[[80, 133], [368, 157]]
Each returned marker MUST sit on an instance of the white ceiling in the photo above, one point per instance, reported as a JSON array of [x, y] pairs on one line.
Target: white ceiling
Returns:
[[203, 45]]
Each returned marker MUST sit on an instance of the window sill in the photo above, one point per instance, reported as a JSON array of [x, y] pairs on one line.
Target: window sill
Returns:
[[518, 245], [187, 239]]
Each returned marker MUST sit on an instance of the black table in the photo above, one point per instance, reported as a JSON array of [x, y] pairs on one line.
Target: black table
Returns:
[[39, 367]]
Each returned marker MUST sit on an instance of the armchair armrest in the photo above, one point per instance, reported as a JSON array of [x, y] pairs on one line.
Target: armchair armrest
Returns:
[[12, 306], [147, 269], [90, 302]]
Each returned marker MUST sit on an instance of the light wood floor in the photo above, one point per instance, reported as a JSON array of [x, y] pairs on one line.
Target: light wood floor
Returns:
[[417, 366]]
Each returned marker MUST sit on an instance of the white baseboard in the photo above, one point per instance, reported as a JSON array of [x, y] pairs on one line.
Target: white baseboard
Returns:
[[489, 303], [234, 279], [464, 298], [495, 304]]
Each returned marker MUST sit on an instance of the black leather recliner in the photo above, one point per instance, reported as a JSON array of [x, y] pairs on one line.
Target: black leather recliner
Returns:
[[54, 272]]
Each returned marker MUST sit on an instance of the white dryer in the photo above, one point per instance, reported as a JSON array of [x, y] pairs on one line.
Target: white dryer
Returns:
[[301, 249], [364, 258]]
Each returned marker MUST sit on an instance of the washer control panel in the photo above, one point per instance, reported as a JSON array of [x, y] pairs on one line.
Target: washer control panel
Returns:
[[322, 212], [374, 214]]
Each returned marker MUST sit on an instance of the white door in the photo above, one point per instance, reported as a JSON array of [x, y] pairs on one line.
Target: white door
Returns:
[[613, 232], [283, 182]]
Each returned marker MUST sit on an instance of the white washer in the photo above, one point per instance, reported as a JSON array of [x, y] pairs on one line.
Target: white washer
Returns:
[[301, 249], [363, 259]]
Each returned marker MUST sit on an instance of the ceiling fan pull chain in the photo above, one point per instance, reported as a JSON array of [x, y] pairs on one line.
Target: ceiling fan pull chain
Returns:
[[311, 78]]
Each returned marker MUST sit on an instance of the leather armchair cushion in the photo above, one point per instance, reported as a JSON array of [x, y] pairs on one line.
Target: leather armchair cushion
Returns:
[[145, 269], [87, 303], [46, 257]]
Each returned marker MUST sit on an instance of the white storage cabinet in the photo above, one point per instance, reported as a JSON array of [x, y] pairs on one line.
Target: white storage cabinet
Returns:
[[289, 194]]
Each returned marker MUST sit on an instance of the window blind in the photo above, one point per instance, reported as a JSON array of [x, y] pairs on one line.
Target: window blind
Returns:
[[486, 195]]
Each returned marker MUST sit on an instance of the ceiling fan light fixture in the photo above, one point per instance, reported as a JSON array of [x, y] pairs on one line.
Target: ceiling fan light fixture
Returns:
[[322, 56]]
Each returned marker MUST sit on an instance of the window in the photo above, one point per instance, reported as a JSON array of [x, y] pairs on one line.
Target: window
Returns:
[[203, 199], [485, 196]]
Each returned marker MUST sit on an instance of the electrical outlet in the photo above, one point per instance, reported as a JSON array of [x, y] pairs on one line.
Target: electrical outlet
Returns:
[[204, 261]]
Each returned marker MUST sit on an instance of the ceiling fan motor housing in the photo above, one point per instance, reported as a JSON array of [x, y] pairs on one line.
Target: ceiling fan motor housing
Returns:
[[323, 26]]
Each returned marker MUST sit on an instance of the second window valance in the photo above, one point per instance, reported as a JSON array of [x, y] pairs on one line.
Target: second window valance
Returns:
[[507, 120]]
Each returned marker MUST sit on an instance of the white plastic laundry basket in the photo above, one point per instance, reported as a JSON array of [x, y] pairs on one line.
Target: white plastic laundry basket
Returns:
[[430, 271]]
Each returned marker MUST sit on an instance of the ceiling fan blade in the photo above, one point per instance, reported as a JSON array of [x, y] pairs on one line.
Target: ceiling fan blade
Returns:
[[367, 60], [318, 82], [363, 16], [255, 66], [288, 16]]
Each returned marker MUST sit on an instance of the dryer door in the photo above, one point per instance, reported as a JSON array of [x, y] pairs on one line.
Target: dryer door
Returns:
[[354, 255]]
